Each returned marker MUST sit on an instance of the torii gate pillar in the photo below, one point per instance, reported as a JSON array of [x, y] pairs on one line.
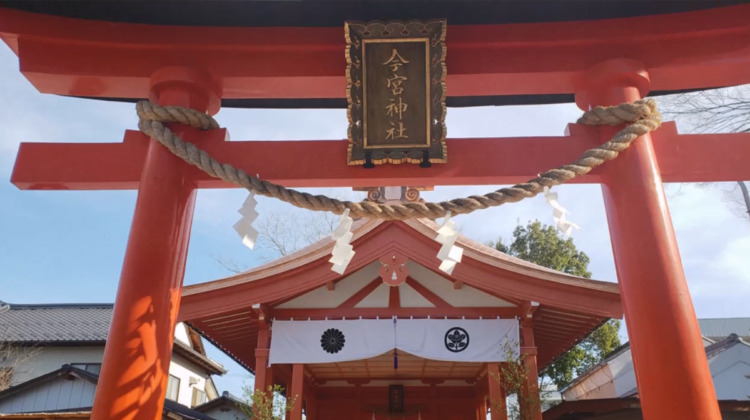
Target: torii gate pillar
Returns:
[[674, 384], [133, 378]]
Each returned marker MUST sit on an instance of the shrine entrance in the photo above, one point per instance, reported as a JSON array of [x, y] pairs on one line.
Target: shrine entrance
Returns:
[[352, 345], [428, 389]]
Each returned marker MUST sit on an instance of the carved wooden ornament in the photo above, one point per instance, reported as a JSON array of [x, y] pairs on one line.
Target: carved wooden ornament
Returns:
[[393, 270], [396, 92]]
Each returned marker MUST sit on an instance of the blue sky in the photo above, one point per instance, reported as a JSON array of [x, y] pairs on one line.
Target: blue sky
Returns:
[[68, 246]]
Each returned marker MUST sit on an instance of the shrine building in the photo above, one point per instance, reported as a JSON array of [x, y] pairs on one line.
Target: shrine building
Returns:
[[328, 339]]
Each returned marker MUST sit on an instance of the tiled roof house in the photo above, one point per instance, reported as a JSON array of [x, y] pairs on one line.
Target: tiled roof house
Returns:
[[53, 346], [609, 389]]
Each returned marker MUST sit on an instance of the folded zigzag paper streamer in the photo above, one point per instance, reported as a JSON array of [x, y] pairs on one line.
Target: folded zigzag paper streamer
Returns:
[[342, 252], [449, 253], [559, 214], [244, 226]]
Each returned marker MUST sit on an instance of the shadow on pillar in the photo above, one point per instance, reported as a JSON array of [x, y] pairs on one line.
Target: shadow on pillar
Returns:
[[144, 385]]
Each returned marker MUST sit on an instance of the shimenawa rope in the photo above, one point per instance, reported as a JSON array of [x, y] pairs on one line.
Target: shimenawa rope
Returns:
[[642, 117]]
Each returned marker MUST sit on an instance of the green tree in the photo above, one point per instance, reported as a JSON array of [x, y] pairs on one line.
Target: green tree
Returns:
[[266, 405], [543, 245]]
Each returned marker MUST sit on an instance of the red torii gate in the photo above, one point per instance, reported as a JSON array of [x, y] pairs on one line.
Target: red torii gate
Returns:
[[193, 67]]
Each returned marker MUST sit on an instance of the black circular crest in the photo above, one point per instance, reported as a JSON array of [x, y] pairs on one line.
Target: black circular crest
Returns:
[[456, 339], [332, 340]]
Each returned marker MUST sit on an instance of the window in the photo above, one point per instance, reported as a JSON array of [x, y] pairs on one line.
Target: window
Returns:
[[173, 387], [94, 368], [199, 397]]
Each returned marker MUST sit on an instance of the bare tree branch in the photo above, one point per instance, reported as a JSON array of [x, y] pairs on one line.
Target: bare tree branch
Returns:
[[284, 233], [12, 357], [717, 111], [229, 265]]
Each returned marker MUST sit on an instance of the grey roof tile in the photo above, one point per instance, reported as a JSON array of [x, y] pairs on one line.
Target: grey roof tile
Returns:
[[55, 323], [719, 328], [75, 323], [720, 346]]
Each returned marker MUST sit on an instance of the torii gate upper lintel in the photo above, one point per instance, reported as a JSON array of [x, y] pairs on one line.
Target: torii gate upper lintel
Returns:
[[657, 305]]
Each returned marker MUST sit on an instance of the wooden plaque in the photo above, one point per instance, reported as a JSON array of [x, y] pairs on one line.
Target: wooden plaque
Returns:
[[396, 92], [396, 398]]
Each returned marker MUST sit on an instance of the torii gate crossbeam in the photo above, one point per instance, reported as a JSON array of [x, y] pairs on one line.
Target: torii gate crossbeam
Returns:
[[482, 161]]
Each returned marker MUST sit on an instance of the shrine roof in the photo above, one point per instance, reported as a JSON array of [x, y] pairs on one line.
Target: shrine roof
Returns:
[[424, 226], [301, 285], [327, 13]]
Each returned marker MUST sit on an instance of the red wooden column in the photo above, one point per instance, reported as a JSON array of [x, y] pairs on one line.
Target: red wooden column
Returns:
[[674, 383], [533, 409], [133, 379], [296, 392], [496, 393], [261, 357], [269, 377]]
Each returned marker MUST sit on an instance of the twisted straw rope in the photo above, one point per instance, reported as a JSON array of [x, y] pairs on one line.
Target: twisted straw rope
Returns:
[[642, 117]]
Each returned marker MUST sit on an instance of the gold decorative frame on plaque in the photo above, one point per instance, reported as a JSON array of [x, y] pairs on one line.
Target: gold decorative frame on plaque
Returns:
[[396, 92]]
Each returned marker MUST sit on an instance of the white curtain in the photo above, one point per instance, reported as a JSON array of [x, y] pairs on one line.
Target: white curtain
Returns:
[[474, 340], [459, 340], [300, 341]]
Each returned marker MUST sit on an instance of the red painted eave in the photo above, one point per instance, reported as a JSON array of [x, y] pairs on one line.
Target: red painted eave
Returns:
[[477, 256], [570, 307], [688, 50]]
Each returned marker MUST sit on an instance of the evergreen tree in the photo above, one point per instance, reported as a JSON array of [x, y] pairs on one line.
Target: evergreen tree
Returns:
[[542, 245]]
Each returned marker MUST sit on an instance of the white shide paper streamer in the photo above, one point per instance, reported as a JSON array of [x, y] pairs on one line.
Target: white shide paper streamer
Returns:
[[244, 226], [342, 252], [449, 253], [559, 214]]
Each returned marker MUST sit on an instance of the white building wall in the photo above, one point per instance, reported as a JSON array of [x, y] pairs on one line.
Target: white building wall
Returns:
[[211, 391], [47, 359], [50, 358], [729, 369], [186, 372], [623, 374], [180, 333], [617, 377], [58, 394], [599, 384]]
